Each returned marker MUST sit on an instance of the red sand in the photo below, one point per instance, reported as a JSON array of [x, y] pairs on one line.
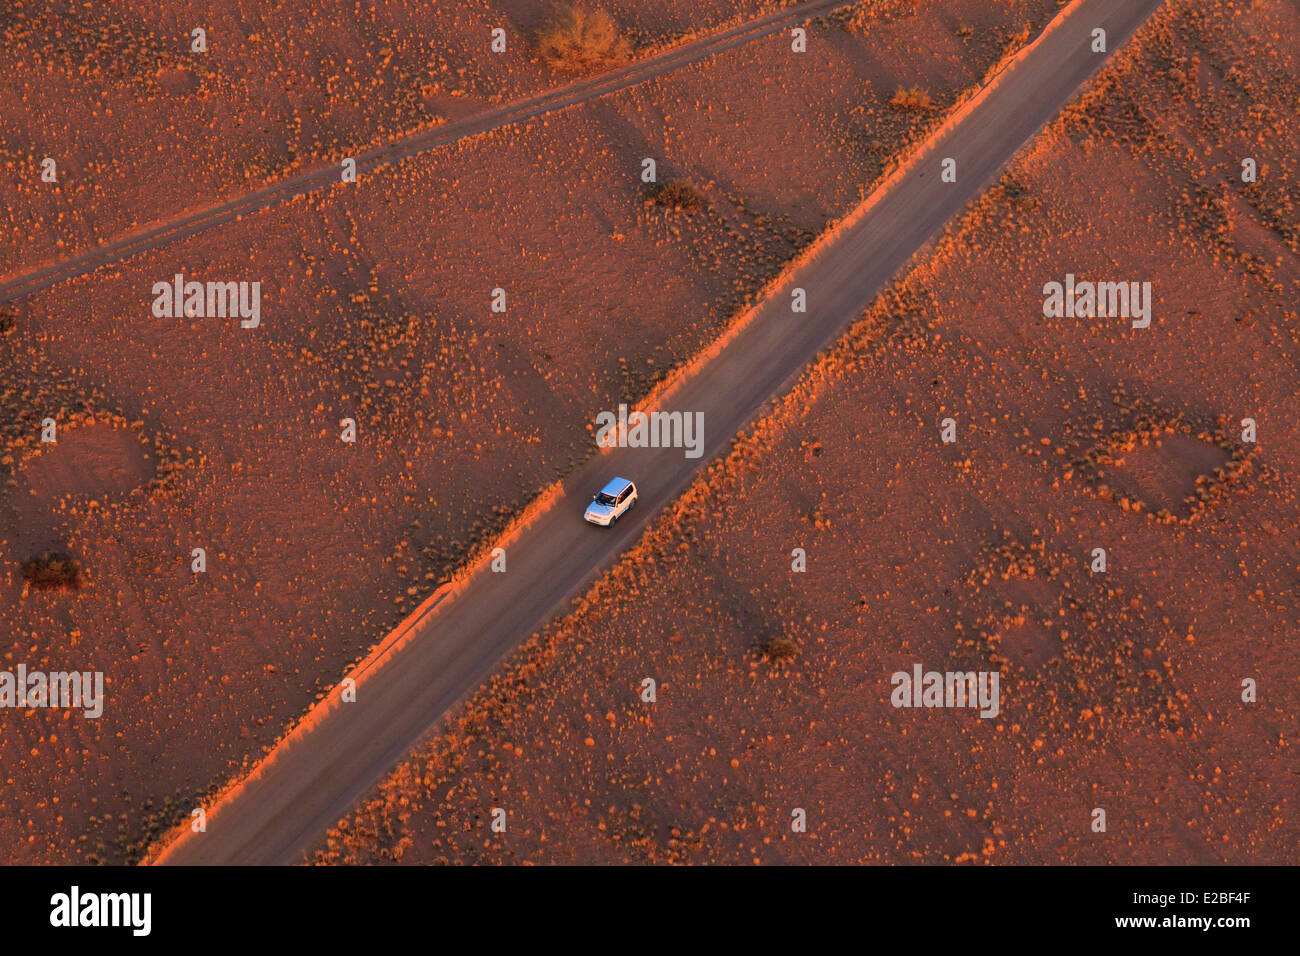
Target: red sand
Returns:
[[1120, 691]]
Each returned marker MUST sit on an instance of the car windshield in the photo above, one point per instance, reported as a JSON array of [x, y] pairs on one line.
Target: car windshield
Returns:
[[604, 499]]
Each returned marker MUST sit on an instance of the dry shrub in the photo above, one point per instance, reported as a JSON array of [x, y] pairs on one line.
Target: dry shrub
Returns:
[[52, 570], [859, 19], [679, 195], [915, 98], [8, 319], [578, 38], [776, 649]]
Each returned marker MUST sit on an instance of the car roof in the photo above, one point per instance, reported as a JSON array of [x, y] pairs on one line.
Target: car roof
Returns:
[[615, 486]]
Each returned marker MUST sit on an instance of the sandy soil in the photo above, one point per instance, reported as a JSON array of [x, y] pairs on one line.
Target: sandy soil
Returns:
[[375, 307], [142, 127], [1120, 691]]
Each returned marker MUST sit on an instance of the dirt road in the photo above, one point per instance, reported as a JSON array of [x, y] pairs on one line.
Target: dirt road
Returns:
[[307, 784]]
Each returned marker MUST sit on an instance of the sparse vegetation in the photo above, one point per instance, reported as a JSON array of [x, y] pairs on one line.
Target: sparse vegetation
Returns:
[[859, 19], [579, 38], [993, 574], [679, 195], [1018, 194], [914, 99], [53, 570]]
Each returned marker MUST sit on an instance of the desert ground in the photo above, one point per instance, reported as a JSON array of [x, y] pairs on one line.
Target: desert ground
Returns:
[[143, 126], [1121, 690], [192, 432]]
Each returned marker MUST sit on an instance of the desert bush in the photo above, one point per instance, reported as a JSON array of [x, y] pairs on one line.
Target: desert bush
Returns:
[[577, 38], [778, 648], [8, 319], [859, 19], [913, 98], [51, 570], [679, 195]]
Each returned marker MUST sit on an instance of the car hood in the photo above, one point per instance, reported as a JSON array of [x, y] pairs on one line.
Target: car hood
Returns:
[[597, 510]]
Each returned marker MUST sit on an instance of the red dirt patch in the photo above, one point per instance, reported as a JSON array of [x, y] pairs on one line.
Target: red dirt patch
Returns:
[[1027, 641], [1164, 473], [88, 466], [88, 460]]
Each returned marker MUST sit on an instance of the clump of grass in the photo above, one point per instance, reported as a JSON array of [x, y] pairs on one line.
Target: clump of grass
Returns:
[[52, 570], [1018, 194], [679, 195], [579, 38], [778, 648], [913, 98]]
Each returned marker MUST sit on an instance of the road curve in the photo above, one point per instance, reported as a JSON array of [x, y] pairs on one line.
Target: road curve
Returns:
[[303, 787], [42, 277]]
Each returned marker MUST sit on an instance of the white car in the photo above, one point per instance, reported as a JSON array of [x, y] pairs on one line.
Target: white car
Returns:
[[610, 502]]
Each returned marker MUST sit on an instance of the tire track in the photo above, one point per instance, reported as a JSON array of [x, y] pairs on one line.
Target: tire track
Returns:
[[574, 94]]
